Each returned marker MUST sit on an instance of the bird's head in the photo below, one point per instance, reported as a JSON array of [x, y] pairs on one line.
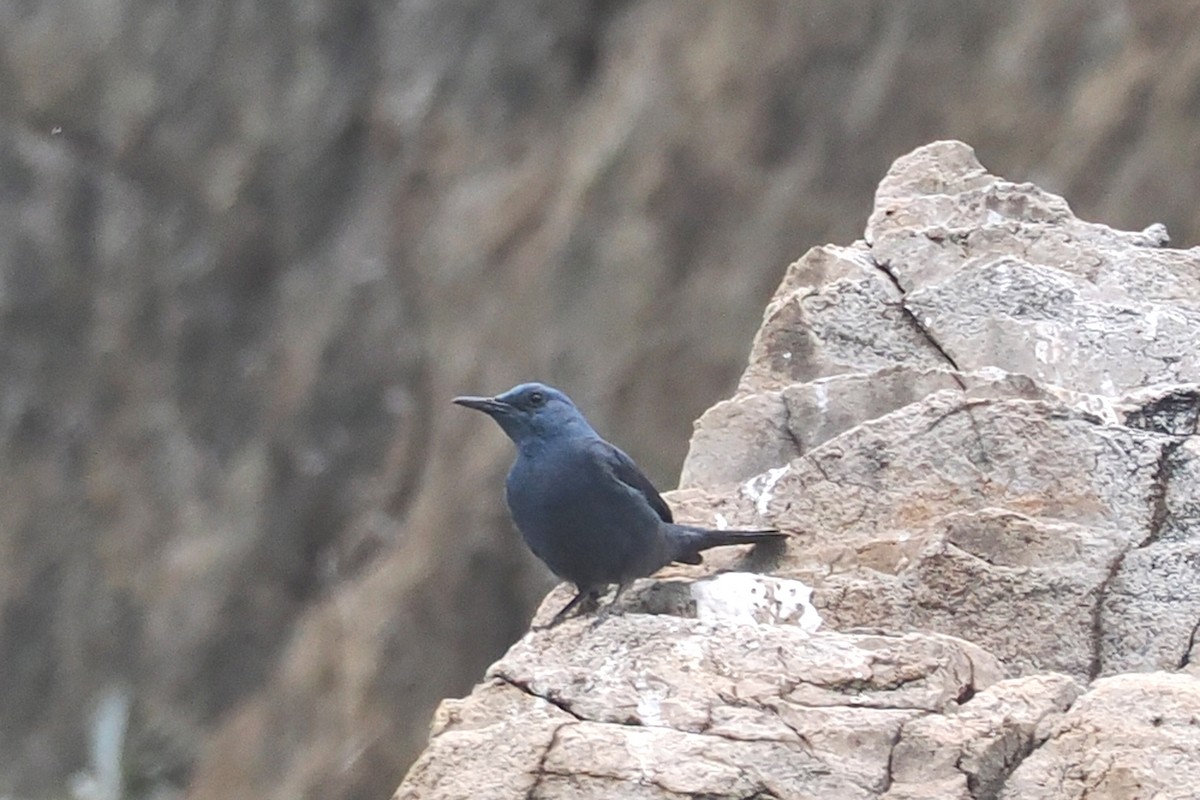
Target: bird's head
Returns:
[[530, 412]]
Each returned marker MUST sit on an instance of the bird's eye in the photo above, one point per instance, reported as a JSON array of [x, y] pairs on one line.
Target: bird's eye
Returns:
[[537, 399]]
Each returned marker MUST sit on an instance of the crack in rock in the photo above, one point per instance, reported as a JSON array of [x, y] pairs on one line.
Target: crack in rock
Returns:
[[787, 425], [705, 730], [561, 705], [1096, 664], [1159, 485], [888, 776], [1159, 513], [1191, 645], [915, 321], [539, 770]]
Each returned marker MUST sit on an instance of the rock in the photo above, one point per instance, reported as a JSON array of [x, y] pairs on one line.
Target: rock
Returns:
[[971, 753], [1128, 736], [749, 434], [812, 327], [956, 491], [755, 598], [970, 513], [728, 595], [980, 426], [655, 706], [500, 737]]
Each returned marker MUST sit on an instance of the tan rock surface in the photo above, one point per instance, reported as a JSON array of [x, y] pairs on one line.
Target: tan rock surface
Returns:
[[657, 706], [965, 499], [1133, 736]]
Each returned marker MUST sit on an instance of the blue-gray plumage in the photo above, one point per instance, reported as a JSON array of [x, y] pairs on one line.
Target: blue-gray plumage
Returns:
[[582, 505]]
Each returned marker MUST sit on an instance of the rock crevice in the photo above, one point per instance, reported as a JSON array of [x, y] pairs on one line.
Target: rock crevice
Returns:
[[916, 321]]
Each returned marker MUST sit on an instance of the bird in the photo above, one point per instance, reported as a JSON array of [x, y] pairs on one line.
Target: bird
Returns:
[[583, 506]]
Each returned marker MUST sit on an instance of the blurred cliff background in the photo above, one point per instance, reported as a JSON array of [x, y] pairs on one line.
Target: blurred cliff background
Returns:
[[249, 250]]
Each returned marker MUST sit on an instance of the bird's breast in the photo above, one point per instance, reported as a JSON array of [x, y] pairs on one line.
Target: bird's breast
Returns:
[[588, 526], [545, 488]]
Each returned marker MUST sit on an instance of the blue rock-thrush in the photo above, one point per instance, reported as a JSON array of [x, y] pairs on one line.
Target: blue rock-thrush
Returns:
[[582, 505]]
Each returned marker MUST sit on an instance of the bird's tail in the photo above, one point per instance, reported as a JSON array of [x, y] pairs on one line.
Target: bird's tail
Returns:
[[692, 540]]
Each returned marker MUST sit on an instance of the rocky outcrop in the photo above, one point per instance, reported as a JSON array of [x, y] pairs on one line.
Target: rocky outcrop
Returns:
[[980, 423], [994, 405], [660, 706]]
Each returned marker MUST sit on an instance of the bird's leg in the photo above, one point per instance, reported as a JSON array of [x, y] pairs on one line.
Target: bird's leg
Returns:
[[585, 596], [612, 607]]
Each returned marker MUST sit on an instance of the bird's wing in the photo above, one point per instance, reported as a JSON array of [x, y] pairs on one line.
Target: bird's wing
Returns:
[[627, 472]]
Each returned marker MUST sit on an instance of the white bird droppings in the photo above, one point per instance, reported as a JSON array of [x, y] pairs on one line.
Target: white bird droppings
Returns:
[[760, 488], [747, 597]]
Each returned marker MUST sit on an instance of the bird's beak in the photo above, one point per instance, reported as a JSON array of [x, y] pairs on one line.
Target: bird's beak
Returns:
[[488, 405]]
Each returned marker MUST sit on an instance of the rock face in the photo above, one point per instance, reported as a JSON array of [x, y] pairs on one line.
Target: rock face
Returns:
[[980, 422], [660, 706], [994, 406]]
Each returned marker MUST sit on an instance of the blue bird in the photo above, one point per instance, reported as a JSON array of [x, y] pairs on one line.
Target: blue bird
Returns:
[[582, 505]]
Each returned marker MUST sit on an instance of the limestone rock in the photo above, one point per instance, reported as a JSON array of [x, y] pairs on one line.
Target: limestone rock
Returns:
[[655, 706], [1032, 475], [1130, 736], [970, 754]]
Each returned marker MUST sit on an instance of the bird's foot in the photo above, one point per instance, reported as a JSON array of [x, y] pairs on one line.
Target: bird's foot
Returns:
[[584, 601], [610, 610], [612, 607]]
